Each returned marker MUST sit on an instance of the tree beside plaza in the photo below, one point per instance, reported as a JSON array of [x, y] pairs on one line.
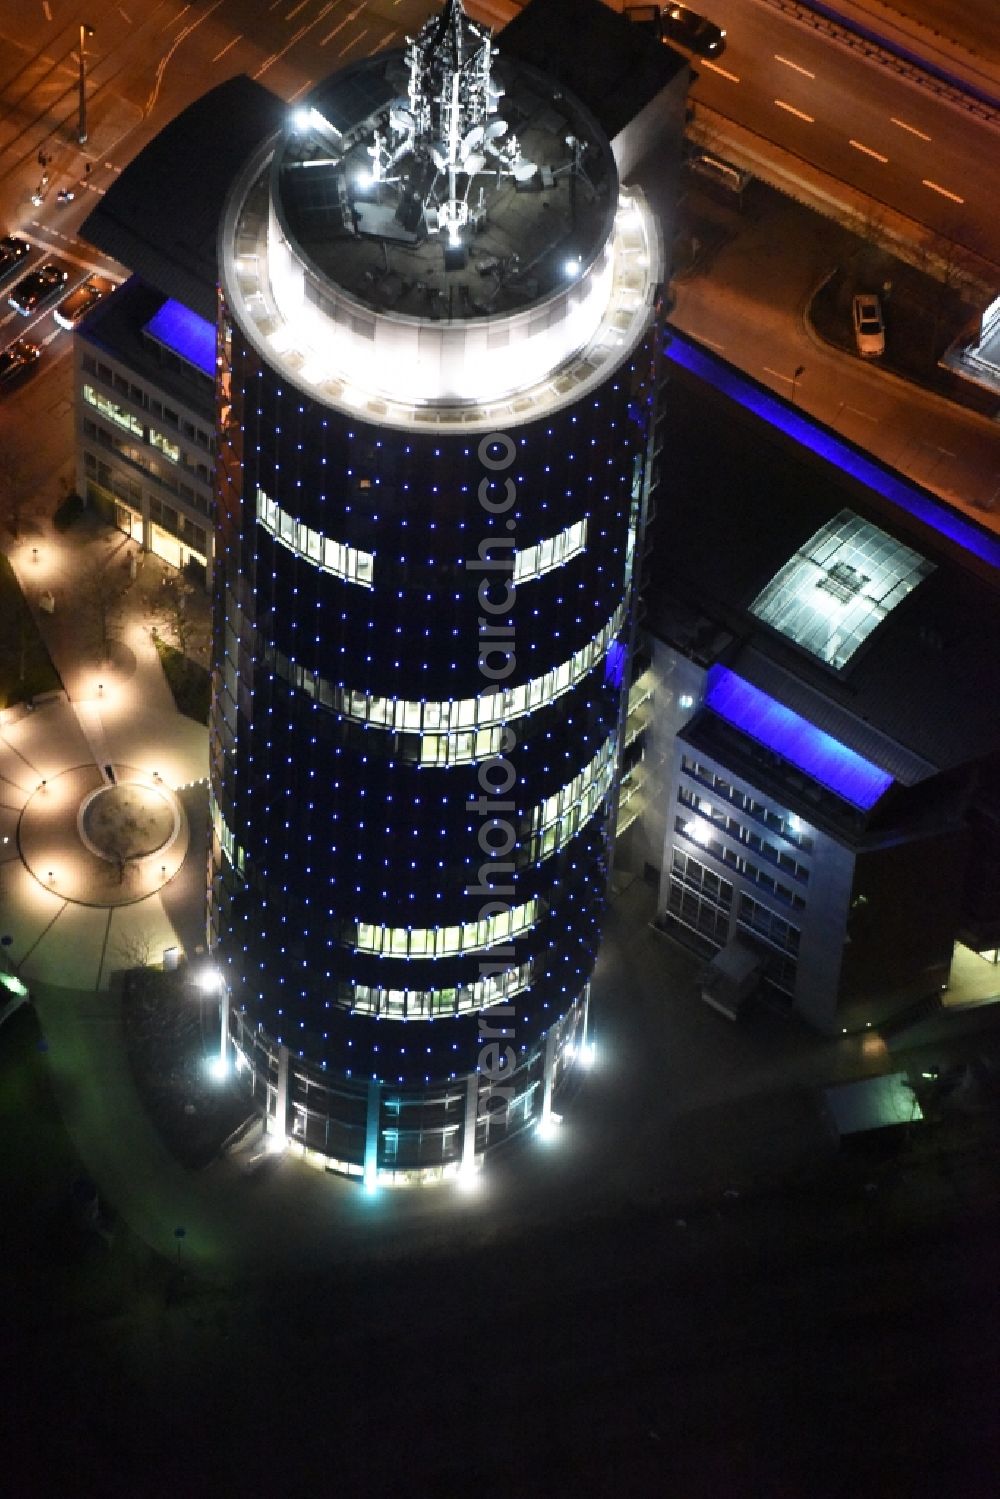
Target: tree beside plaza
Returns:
[[99, 595], [173, 613]]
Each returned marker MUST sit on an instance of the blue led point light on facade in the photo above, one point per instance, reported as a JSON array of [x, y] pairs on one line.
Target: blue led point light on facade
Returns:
[[409, 611], [186, 334], [795, 739]]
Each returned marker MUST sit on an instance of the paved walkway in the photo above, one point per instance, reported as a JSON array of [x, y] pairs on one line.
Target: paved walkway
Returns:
[[75, 919]]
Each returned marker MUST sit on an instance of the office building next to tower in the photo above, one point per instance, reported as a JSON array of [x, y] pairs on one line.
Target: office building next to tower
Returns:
[[819, 763], [438, 347]]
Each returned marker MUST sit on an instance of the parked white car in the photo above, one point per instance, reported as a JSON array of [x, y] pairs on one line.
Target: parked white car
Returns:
[[869, 328]]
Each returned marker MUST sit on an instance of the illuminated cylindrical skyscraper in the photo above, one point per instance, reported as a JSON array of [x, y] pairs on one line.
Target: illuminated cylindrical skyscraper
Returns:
[[437, 338]]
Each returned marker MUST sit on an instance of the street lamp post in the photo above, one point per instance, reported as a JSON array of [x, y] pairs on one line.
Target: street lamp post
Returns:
[[795, 380], [85, 31]]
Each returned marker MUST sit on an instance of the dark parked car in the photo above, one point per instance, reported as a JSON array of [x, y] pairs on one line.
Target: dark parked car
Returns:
[[688, 29], [19, 357], [37, 287], [13, 249], [74, 308]]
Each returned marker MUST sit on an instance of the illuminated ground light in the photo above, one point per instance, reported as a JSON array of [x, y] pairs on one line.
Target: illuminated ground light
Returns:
[[468, 1178], [548, 1127], [587, 1055], [217, 1068], [277, 1142]]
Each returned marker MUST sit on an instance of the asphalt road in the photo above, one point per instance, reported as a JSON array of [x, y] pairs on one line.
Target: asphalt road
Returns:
[[852, 116]]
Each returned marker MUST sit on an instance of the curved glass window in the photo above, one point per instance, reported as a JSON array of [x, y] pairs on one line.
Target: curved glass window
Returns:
[[534, 562], [561, 816], [330, 556], [443, 941], [373, 999], [444, 737]]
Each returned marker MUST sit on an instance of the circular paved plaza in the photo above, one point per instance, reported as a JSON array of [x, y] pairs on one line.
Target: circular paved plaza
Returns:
[[98, 842]]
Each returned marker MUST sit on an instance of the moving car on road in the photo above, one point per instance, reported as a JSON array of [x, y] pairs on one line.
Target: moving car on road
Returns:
[[37, 287], [17, 359], [74, 308], [13, 249], [869, 328]]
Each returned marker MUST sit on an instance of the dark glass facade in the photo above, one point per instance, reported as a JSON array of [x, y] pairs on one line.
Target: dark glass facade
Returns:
[[421, 643]]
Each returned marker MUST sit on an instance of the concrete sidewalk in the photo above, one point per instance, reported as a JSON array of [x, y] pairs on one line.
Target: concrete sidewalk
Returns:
[[69, 925]]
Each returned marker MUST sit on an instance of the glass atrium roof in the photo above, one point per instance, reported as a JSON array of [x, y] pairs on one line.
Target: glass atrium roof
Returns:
[[839, 586]]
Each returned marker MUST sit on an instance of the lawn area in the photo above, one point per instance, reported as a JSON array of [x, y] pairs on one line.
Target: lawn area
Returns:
[[26, 668], [190, 683]]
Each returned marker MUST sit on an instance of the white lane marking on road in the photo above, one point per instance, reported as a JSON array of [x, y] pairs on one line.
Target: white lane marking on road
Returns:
[[722, 72], [789, 64], [47, 247], [125, 16], [867, 150], [176, 18], [352, 16], [297, 37], [799, 114], [911, 128], [300, 91], [712, 344], [936, 187], [295, 10], [788, 379], [227, 47], [856, 411], [347, 47], [180, 37], [47, 8]]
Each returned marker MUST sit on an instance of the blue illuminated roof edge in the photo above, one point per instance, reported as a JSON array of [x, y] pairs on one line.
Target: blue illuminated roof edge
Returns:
[[186, 333], [810, 749], [772, 409]]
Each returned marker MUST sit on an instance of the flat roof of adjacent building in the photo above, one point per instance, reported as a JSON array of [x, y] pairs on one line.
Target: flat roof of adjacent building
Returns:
[[750, 502], [122, 325], [161, 217], [612, 67]]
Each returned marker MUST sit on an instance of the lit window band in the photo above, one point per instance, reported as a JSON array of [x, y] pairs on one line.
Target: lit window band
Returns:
[[444, 941], [535, 562], [323, 552], [411, 1004], [456, 731], [562, 815], [228, 844], [113, 411]]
